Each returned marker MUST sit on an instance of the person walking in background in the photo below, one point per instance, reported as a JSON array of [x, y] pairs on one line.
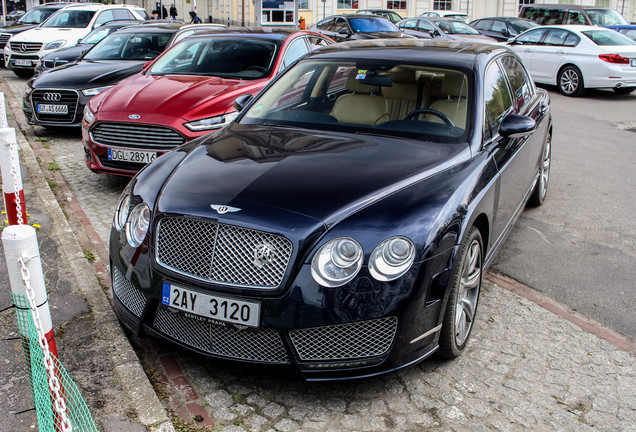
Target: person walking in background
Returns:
[[164, 12], [195, 18], [173, 12]]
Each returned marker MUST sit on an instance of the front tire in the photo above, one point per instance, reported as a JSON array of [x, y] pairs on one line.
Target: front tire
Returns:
[[461, 307], [570, 81], [541, 188]]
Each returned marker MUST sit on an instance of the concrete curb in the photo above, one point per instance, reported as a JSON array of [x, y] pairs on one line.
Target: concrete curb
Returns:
[[151, 413]]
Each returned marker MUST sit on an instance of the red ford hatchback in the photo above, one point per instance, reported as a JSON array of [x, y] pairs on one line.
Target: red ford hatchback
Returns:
[[185, 93]]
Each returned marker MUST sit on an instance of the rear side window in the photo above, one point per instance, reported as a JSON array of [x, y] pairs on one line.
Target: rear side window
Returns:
[[532, 37], [544, 15], [608, 38], [483, 25]]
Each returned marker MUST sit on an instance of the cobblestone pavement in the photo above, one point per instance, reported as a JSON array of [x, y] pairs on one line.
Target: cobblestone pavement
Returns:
[[526, 368]]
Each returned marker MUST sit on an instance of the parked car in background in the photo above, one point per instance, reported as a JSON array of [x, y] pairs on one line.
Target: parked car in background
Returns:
[[58, 97], [73, 53], [442, 28], [339, 230], [575, 57], [502, 28], [24, 50], [628, 30], [14, 15], [461, 16], [355, 26], [389, 14], [555, 14], [185, 93], [33, 18]]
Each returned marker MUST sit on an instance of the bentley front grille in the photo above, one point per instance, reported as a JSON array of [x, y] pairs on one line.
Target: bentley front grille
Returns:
[[221, 253], [262, 345], [345, 341], [136, 135], [25, 47], [41, 98], [127, 294]]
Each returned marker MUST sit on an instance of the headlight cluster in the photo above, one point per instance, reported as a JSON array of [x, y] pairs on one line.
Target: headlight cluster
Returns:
[[339, 260], [88, 114], [95, 90], [211, 122], [55, 44], [135, 221]]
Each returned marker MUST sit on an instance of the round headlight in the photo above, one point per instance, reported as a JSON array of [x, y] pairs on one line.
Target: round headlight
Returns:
[[121, 214], [391, 258], [138, 223], [337, 262]]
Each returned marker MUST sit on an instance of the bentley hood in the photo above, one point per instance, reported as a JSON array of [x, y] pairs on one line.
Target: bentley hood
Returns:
[[87, 74], [190, 97], [275, 174]]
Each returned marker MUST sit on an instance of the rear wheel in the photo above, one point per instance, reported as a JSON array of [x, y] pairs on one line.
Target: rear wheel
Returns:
[[624, 90], [461, 308], [570, 81], [541, 188]]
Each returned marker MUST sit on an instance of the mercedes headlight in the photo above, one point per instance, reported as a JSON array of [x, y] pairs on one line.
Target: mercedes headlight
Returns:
[[121, 214], [137, 225], [88, 114], [211, 122], [95, 91], [337, 262], [391, 258], [55, 44]]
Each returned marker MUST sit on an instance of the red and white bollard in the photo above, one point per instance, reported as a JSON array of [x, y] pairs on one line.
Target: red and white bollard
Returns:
[[11, 177], [20, 244]]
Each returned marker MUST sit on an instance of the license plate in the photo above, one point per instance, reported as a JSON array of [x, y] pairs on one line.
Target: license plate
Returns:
[[213, 307], [22, 62], [633, 62], [52, 109], [136, 156]]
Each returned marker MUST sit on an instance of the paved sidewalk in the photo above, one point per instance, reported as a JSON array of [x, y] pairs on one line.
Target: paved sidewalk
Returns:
[[532, 364]]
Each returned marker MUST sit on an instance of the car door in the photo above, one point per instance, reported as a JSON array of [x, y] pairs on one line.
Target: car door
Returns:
[[525, 44], [551, 54], [508, 153]]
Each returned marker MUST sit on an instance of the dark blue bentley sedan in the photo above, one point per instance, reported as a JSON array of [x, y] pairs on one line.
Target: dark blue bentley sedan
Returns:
[[342, 223]]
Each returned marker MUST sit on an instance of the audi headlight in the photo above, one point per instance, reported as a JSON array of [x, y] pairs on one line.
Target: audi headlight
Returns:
[[391, 258], [88, 114], [137, 225], [121, 214], [211, 122], [94, 91], [55, 44], [337, 262]]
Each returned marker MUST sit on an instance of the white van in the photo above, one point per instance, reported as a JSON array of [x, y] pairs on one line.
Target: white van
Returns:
[[64, 28]]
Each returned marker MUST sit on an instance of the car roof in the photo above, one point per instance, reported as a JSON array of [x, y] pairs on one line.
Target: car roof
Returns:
[[577, 28], [261, 33], [98, 6], [158, 28]]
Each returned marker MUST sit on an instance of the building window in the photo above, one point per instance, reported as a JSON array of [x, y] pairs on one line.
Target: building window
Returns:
[[443, 5], [277, 12], [303, 4], [347, 4], [602, 3], [396, 4], [522, 3]]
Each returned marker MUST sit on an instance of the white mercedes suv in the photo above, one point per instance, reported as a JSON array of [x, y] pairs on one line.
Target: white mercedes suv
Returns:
[[64, 28]]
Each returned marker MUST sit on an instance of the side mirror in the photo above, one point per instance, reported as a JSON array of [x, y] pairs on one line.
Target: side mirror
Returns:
[[512, 41], [344, 31], [505, 32], [435, 33], [241, 101], [516, 126]]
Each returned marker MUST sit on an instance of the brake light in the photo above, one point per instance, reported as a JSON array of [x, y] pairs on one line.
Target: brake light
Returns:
[[614, 58]]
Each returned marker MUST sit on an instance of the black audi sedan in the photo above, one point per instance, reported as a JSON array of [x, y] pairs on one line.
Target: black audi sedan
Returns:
[[502, 28], [58, 97], [342, 224]]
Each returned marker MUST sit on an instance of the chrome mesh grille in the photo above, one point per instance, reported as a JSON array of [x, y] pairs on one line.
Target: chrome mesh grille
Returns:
[[136, 135], [126, 292], [63, 97], [345, 341], [25, 47], [263, 345], [221, 253]]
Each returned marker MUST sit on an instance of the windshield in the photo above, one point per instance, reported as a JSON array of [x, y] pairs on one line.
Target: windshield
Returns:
[[374, 97], [606, 17], [461, 17], [608, 37], [95, 36], [70, 18], [523, 25], [372, 25], [228, 57], [36, 16], [129, 46], [455, 27]]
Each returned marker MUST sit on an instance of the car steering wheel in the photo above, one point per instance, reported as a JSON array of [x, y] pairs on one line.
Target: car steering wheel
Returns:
[[441, 115]]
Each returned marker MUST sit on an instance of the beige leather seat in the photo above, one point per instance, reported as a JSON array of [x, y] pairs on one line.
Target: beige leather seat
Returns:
[[453, 102], [402, 96], [362, 105]]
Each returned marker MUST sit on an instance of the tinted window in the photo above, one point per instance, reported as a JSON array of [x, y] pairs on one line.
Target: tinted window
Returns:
[[455, 27], [608, 38], [325, 25], [532, 37], [499, 27], [497, 97], [575, 17], [105, 17], [483, 25], [408, 24], [371, 25], [129, 46], [524, 25], [544, 16], [556, 37], [520, 83], [423, 25], [606, 17], [295, 50], [571, 40]]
